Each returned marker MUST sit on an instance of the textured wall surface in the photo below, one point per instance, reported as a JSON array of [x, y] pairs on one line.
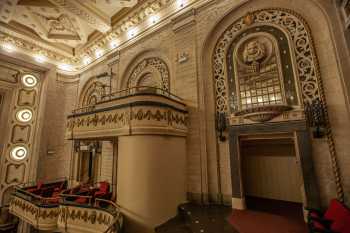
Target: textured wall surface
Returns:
[[193, 34]]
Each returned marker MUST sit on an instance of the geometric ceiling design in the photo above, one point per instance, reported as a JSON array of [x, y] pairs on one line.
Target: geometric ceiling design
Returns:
[[74, 35], [69, 22]]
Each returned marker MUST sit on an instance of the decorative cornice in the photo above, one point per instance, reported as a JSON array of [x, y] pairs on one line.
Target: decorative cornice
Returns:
[[85, 57], [31, 48]]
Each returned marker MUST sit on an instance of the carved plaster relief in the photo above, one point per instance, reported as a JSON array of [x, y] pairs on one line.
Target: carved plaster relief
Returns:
[[15, 173], [26, 97], [20, 134], [306, 65], [150, 71], [8, 74], [18, 153]]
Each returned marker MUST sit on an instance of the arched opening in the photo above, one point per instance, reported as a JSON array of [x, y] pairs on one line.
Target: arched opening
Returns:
[[264, 70]]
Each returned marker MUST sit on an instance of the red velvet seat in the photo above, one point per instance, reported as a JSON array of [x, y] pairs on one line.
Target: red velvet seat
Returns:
[[336, 219], [37, 188], [103, 190], [81, 200]]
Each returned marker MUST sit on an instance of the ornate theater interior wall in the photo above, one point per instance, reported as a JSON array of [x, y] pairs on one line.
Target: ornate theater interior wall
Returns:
[[192, 35]]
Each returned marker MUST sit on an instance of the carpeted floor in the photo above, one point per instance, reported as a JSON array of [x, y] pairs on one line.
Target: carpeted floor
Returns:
[[269, 216]]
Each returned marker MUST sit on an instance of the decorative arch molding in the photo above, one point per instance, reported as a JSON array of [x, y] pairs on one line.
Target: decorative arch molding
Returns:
[[92, 92], [156, 71], [306, 63]]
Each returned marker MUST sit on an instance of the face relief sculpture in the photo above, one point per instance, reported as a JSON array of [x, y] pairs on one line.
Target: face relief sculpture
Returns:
[[254, 52]]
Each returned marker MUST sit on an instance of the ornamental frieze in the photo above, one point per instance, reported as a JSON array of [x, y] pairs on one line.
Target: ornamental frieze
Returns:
[[128, 119], [90, 216]]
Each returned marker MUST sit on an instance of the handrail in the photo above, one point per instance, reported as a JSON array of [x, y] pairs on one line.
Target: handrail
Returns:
[[21, 192], [140, 89], [64, 196], [35, 198], [33, 183], [129, 92]]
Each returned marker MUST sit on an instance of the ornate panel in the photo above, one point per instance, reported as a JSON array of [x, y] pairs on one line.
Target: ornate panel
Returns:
[[93, 92], [304, 59], [298, 33], [20, 134], [26, 97], [15, 173], [18, 154], [40, 217], [78, 219], [132, 115], [8, 74], [150, 71]]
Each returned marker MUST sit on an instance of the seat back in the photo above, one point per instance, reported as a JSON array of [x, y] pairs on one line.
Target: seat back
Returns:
[[104, 187], [339, 214], [335, 210], [39, 184]]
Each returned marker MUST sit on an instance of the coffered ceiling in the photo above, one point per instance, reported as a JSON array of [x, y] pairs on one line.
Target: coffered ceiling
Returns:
[[74, 35], [68, 22]]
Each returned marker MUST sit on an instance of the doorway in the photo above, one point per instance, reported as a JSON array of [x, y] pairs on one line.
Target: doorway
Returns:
[[94, 161], [271, 176]]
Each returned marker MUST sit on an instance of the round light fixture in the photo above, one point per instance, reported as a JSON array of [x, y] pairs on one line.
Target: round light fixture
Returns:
[[29, 80], [24, 115], [19, 153]]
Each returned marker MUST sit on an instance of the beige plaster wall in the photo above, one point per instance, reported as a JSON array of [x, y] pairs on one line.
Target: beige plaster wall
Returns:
[[55, 151], [315, 13], [151, 179], [195, 32]]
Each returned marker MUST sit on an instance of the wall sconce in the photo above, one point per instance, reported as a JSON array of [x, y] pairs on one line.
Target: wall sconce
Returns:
[[316, 117], [221, 125]]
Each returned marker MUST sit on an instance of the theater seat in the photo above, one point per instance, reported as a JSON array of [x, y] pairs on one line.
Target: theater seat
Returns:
[[103, 190], [39, 185], [336, 219], [81, 200]]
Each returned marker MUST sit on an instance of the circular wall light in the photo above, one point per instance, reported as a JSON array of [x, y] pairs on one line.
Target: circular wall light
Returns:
[[29, 80], [24, 115], [19, 153]]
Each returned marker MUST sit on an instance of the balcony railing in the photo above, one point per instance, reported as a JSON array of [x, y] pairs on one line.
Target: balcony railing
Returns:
[[35, 204], [97, 215], [134, 111], [139, 90]]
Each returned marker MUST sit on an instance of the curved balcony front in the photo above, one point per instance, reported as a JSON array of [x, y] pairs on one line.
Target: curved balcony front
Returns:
[[135, 111], [38, 204], [85, 213]]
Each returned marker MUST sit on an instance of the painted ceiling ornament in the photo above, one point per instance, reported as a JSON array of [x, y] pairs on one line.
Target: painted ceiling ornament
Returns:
[[59, 26]]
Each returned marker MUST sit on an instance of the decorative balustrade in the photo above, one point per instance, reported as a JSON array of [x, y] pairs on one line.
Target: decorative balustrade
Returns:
[[35, 210], [138, 110], [100, 216], [38, 204], [63, 211]]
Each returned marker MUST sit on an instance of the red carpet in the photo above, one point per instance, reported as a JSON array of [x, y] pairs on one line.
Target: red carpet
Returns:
[[249, 221]]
